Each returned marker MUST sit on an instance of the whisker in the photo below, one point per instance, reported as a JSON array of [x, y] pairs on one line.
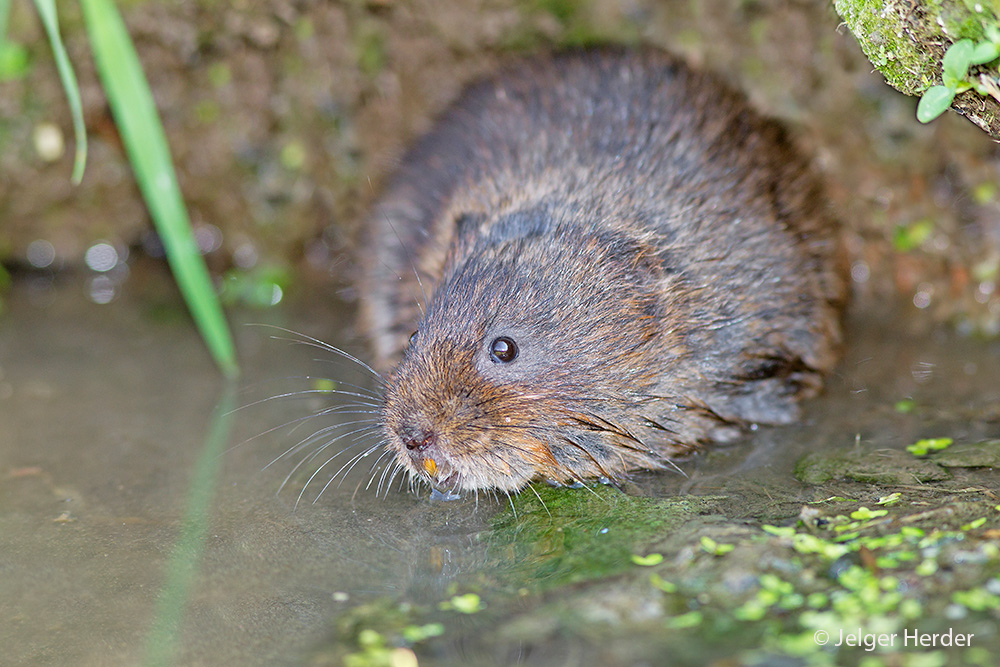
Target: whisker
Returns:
[[391, 466], [413, 266], [397, 467], [318, 435], [343, 408], [318, 451], [544, 507], [511, 501], [374, 472], [674, 466], [349, 465], [316, 342], [308, 393], [306, 459], [368, 392]]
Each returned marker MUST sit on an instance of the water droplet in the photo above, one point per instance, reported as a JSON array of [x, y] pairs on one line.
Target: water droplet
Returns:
[[49, 142], [102, 289], [101, 257], [245, 256], [860, 273], [208, 238], [40, 253]]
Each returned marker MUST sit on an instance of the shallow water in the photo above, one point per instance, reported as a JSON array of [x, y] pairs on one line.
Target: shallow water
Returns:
[[106, 484]]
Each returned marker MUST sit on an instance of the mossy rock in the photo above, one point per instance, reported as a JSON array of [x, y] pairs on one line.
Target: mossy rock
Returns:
[[977, 455], [906, 41], [882, 466]]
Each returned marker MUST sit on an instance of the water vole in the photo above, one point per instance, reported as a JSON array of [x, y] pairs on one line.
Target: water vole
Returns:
[[607, 259]]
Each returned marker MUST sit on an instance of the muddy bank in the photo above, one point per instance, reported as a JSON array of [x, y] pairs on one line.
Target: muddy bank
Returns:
[[285, 118]]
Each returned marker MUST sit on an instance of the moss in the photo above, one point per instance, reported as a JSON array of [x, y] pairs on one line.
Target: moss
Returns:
[[967, 18], [867, 466], [906, 41], [571, 535], [369, 49], [884, 31], [577, 26], [564, 11], [976, 455]]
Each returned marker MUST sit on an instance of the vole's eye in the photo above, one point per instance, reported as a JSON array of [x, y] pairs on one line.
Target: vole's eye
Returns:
[[503, 350], [413, 337]]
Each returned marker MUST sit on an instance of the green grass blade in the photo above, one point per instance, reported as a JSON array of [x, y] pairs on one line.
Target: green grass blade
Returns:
[[47, 10], [137, 119]]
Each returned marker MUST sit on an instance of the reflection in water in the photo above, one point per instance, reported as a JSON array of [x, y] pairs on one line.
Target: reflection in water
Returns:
[[104, 412], [189, 548]]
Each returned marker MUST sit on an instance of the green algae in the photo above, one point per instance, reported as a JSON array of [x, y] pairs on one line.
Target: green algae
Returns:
[[563, 535], [609, 573]]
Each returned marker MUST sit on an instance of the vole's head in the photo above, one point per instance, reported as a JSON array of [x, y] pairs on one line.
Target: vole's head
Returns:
[[533, 359]]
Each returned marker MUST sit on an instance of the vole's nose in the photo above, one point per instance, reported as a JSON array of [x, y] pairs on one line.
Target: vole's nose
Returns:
[[418, 439]]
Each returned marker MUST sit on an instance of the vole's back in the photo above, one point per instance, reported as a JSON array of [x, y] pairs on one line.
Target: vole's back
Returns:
[[640, 152]]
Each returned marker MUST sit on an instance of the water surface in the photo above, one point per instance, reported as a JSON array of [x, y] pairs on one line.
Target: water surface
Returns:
[[104, 415]]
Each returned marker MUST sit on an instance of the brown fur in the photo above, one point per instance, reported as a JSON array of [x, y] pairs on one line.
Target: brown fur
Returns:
[[658, 251]]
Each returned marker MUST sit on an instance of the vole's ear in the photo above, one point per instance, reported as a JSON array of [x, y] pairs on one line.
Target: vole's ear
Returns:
[[519, 224], [467, 225], [525, 223], [464, 231]]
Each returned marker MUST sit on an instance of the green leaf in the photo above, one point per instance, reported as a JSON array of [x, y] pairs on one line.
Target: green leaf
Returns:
[[985, 52], [14, 61], [661, 583], [142, 133], [647, 561], [992, 33], [688, 620], [890, 499], [47, 12], [14, 58], [927, 445], [934, 102], [470, 603], [418, 633], [863, 514], [957, 59], [909, 237]]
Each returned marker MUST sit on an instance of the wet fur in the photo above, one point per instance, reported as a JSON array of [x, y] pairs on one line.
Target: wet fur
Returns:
[[659, 252]]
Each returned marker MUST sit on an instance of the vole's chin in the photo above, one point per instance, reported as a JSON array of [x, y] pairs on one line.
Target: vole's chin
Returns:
[[451, 475]]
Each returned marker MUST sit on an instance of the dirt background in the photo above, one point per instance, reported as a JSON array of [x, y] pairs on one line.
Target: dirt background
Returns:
[[285, 117]]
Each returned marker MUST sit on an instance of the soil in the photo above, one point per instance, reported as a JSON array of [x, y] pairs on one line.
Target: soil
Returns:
[[284, 119]]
